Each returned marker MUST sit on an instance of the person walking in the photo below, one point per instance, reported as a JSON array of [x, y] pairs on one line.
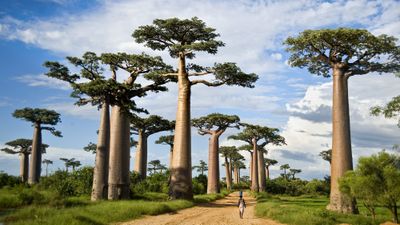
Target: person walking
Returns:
[[241, 205]]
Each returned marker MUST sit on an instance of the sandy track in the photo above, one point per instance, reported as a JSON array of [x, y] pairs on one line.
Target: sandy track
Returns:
[[223, 211]]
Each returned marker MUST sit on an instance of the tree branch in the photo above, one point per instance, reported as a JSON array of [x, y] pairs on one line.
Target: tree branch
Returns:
[[201, 73], [214, 84]]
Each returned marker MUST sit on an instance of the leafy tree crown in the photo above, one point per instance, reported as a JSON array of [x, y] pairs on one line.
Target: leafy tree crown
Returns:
[[36, 115]]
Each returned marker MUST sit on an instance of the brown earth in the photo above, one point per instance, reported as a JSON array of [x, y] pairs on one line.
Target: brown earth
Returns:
[[223, 211]]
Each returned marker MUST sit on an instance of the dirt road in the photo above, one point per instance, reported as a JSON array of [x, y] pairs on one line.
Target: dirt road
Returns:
[[223, 211]]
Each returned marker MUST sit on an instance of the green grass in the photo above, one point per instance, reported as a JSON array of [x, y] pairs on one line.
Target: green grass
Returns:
[[311, 211], [210, 197], [103, 212]]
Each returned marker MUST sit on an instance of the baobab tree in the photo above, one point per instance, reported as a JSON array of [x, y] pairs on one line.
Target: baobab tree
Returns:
[[293, 172], [285, 167], [75, 164], [167, 140], [38, 118], [252, 134], [269, 162], [47, 162], [201, 167], [67, 162], [326, 155], [346, 52], [262, 178], [143, 128], [155, 165], [214, 125], [248, 148], [237, 164], [227, 152], [182, 39]]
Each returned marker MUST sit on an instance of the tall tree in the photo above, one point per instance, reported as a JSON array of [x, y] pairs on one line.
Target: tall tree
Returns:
[[249, 148], [269, 162], [155, 165], [237, 164], [182, 38], [227, 152], [262, 177], [285, 167], [346, 52], [201, 167], [47, 162], [38, 118], [167, 140], [326, 155], [252, 134], [143, 128], [215, 125], [293, 172]]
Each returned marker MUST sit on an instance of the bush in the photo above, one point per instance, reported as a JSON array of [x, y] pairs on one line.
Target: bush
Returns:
[[8, 180], [154, 183]]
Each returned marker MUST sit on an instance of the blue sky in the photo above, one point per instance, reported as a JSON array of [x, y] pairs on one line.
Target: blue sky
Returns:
[[32, 32]]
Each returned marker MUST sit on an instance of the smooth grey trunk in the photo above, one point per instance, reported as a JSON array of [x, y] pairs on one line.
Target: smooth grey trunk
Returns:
[[118, 176], [261, 172], [230, 170], [239, 175], [254, 181], [181, 173], [36, 157], [341, 143], [170, 157], [236, 175], [267, 172], [251, 166], [24, 166], [100, 174], [213, 165], [141, 155], [228, 178]]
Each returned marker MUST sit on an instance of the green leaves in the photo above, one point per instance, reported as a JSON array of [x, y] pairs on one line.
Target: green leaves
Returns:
[[256, 132], [179, 36], [166, 140], [390, 110], [231, 74], [36, 115], [356, 51], [215, 121], [152, 124]]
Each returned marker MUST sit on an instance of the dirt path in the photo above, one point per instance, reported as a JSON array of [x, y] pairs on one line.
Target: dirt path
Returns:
[[223, 211]]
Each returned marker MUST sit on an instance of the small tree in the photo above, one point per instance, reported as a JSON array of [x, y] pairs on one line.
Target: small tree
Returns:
[[326, 155], [345, 52], [182, 38], [214, 125], [155, 165], [269, 162], [143, 128], [201, 167], [47, 162], [293, 172], [91, 147], [75, 164], [38, 117], [167, 140], [23, 147], [375, 181], [285, 167]]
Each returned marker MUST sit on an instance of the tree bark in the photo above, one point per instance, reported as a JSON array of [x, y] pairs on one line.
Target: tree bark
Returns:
[[261, 172], [236, 175], [251, 166], [170, 157], [24, 166], [267, 172], [254, 181], [228, 178], [36, 157], [181, 173], [100, 174], [118, 177], [141, 155], [341, 143], [213, 165], [230, 170]]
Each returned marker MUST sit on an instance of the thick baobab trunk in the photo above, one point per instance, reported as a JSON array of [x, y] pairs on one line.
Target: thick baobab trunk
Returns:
[[236, 175], [181, 173], [228, 177], [341, 143], [254, 181], [230, 170], [24, 166], [267, 172], [261, 172], [239, 175], [141, 155], [251, 166], [213, 165], [36, 157], [100, 174], [118, 177], [171, 157]]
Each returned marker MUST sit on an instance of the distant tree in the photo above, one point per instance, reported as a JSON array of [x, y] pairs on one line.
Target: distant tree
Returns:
[[227, 152], [75, 164], [155, 164], [91, 147], [182, 39], [38, 118], [252, 134], [269, 162], [375, 181], [70, 163], [214, 125], [161, 167], [285, 167], [201, 167], [47, 162], [326, 155], [345, 52], [237, 164], [293, 172], [167, 140], [143, 128], [390, 110]]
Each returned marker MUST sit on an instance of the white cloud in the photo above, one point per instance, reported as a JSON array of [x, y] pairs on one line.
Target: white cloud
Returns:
[[68, 108], [42, 80]]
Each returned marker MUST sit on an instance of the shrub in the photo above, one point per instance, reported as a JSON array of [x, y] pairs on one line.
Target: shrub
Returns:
[[8, 180]]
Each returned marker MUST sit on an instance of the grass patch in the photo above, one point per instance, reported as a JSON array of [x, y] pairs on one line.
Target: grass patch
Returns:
[[210, 197], [311, 211], [152, 196], [98, 213]]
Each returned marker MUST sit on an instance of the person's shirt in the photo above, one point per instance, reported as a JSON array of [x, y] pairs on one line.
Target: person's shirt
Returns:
[[241, 203]]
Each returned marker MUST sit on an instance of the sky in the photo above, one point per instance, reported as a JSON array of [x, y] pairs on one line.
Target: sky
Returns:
[[291, 99]]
